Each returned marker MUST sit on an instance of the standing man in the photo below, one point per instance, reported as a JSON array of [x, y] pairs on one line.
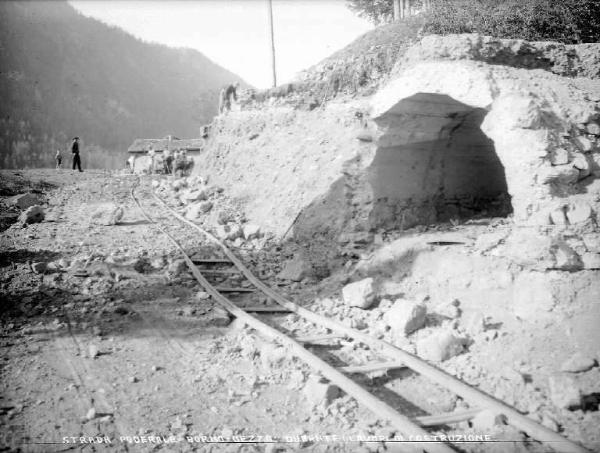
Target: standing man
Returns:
[[168, 160], [151, 155], [75, 152], [58, 159], [227, 97], [131, 163]]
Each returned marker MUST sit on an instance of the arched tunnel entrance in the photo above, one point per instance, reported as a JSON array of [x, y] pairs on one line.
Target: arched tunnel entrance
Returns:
[[433, 163]]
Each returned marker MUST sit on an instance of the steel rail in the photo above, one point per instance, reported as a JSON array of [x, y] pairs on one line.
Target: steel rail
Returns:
[[473, 395], [405, 425]]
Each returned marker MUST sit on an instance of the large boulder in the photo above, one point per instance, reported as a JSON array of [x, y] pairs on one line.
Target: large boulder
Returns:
[[24, 200], [33, 214], [359, 294], [405, 316], [107, 214]]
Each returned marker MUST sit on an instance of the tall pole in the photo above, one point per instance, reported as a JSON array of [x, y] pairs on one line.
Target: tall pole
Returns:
[[272, 43]]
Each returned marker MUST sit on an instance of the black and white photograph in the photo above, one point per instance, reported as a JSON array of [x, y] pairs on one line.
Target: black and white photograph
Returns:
[[319, 226]]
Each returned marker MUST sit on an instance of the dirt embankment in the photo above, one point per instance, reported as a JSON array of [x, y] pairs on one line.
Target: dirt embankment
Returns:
[[457, 127]]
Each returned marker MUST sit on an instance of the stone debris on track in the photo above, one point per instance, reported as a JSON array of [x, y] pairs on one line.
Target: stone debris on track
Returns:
[[113, 337]]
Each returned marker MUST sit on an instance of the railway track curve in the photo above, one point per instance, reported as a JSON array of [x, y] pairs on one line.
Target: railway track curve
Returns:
[[392, 356]]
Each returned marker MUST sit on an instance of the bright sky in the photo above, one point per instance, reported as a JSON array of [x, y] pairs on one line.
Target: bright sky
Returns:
[[235, 34]]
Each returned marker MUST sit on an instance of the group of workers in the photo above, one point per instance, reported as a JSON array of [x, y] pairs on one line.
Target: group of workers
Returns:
[[167, 162]]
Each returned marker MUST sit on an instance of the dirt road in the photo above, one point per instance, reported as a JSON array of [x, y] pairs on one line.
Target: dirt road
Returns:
[[102, 351]]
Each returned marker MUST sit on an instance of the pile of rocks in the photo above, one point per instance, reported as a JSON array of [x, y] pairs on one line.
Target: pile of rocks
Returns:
[[25, 208], [434, 336], [208, 206]]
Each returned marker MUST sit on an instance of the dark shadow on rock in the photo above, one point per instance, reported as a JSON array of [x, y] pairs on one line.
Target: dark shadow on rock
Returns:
[[376, 386], [445, 168], [591, 402], [23, 255]]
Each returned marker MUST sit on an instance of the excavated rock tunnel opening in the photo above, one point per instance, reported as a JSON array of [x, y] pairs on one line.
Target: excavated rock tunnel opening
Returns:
[[433, 163]]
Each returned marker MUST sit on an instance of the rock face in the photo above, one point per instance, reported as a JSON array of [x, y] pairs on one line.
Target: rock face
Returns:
[[461, 125], [405, 316], [532, 120], [359, 294], [107, 214]]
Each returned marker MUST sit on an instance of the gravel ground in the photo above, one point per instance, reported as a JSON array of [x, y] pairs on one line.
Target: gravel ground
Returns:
[[115, 339]]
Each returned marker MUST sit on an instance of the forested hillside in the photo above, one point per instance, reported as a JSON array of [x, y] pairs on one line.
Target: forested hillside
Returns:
[[63, 74]]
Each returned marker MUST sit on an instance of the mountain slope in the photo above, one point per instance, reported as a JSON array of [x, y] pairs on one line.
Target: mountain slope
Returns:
[[63, 74]]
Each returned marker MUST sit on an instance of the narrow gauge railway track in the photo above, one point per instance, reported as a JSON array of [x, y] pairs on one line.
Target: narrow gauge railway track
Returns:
[[396, 357]]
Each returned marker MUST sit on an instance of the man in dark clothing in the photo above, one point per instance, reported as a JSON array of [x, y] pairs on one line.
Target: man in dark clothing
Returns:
[[75, 152], [227, 97]]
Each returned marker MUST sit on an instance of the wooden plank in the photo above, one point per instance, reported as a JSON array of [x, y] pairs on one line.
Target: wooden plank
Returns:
[[234, 290], [447, 419], [211, 261], [319, 338], [373, 367], [264, 309], [220, 271]]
